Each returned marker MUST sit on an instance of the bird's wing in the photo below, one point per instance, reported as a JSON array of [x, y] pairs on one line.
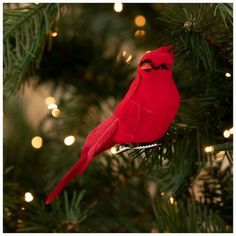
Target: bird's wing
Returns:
[[129, 114], [134, 85], [128, 111]]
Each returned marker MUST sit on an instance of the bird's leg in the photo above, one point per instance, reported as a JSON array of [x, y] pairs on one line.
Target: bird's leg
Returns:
[[120, 148], [132, 146]]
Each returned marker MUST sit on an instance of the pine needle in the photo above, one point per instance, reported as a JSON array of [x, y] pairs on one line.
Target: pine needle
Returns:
[[24, 32]]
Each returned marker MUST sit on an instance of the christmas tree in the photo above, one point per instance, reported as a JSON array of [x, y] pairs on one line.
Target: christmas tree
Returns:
[[66, 67]]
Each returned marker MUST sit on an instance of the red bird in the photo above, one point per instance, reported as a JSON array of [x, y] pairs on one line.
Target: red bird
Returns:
[[143, 115]]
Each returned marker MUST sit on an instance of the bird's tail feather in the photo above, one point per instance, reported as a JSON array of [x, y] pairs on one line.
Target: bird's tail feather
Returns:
[[99, 139]]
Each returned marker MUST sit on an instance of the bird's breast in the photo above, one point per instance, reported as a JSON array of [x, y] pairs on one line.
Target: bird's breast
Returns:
[[157, 97]]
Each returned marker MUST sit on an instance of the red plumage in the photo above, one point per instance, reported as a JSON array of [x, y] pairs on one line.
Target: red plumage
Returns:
[[143, 115]]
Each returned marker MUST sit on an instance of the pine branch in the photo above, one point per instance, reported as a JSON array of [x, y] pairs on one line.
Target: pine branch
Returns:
[[63, 216], [172, 176], [24, 33], [191, 27], [225, 10], [194, 219]]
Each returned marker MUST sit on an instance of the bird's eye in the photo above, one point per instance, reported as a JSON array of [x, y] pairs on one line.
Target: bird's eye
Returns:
[[163, 67], [147, 65]]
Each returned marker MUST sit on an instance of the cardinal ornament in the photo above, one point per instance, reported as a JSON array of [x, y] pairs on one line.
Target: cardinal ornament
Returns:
[[143, 115]]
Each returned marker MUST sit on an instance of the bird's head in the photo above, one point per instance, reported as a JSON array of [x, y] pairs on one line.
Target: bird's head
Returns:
[[156, 63]]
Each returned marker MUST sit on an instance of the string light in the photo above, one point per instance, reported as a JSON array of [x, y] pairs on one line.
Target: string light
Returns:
[[55, 112], [50, 100], [37, 142], [124, 53], [140, 21], [29, 197], [139, 33], [129, 59], [52, 106], [69, 140], [113, 150], [227, 74], [226, 133], [162, 193], [118, 7], [209, 149], [231, 130], [172, 200], [54, 34]]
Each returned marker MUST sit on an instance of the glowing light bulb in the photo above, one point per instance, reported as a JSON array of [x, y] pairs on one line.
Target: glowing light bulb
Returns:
[[126, 57], [139, 33], [162, 193], [69, 140], [140, 20], [55, 112], [231, 130], [124, 53], [37, 142], [50, 100], [172, 200], [226, 133], [227, 74], [29, 197], [118, 7], [209, 149], [129, 58], [113, 150], [54, 34], [52, 106]]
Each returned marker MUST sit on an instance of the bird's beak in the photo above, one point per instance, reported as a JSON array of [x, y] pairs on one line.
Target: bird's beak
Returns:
[[146, 66]]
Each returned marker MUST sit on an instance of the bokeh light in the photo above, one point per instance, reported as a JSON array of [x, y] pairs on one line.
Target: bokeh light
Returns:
[[52, 106], [37, 142], [55, 112], [118, 7], [140, 21], [50, 100], [69, 140], [209, 149], [54, 34], [29, 197], [226, 134], [139, 33]]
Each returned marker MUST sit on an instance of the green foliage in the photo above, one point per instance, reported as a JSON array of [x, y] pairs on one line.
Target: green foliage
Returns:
[[169, 176], [190, 27], [63, 216], [88, 63], [120, 179], [192, 218], [24, 33], [226, 13]]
